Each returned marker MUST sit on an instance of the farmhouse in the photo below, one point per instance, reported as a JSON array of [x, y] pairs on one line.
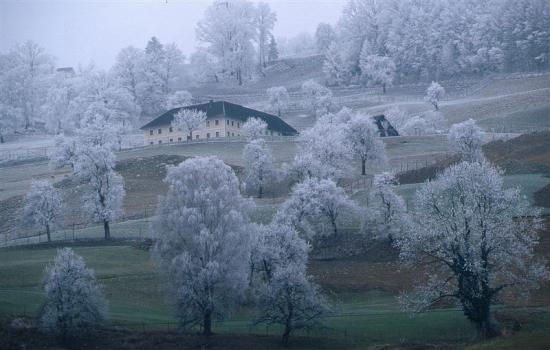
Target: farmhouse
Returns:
[[223, 119]]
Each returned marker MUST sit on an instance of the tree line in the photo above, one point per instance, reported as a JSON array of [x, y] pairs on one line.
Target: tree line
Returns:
[[378, 42]]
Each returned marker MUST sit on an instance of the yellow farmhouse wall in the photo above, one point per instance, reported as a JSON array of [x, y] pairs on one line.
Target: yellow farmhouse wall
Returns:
[[213, 128]]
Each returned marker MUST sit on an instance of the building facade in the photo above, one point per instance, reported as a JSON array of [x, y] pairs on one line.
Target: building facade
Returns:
[[223, 120]]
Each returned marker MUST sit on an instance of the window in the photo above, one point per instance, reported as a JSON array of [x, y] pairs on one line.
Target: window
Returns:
[[196, 137], [232, 123], [151, 132], [171, 140], [227, 121], [179, 139], [160, 141], [216, 122], [217, 134], [188, 137], [159, 131], [228, 134], [152, 143], [208, 123], [170, 129], [207, 135], [238, 125]]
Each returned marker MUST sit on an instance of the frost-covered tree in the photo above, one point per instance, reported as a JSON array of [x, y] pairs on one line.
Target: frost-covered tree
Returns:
[[26, 80], [43, 207], [74, 301], [317, 99], [338, 119], [431, 122], [205, 66], [64, 152], [316, 207], [363, 137], [273, 53], [9, 117], [103, 187], [265, 20], [201, 240], [434, 93], [387, 211], [325, 36], [228, 29], [285, 295], [278, 99], [159, 70], [277, 245], [258, 166], [253, 128], [322, 152], [291, 299], [129, 70], [334, 66], [466, 138], [102, 95], [179, 98], [377, 70], [189, 120], [397, 118], [64, 104], [477, 240], [91, 157]]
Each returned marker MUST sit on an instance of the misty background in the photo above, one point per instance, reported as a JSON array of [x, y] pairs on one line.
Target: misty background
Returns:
[[79, 32]]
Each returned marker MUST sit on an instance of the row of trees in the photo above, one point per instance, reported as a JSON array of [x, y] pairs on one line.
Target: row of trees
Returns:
[[33, 94], [377, 42]]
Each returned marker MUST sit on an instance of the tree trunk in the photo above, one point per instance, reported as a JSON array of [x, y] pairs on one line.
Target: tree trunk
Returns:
[[363, 168], [279, 112], [207, 327], [107, 229], [191, 135], [436, 105], [48, 233], [384, 89], [286, 334], [486, 328], [261, 191], [333, 223]]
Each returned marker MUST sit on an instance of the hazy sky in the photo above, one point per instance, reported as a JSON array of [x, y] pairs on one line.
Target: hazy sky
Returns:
[[78, 31]]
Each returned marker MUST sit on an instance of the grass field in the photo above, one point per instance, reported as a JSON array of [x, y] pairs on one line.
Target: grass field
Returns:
[[137, 300], [135, 296]]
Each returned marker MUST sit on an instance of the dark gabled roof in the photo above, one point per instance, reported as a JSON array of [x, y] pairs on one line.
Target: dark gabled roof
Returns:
[[384, 126], [225, 109]]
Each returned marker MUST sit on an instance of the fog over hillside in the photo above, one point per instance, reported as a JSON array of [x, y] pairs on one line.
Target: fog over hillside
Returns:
[[237, 174]]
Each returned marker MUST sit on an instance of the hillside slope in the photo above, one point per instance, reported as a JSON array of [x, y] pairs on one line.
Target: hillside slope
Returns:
[[525, 154]]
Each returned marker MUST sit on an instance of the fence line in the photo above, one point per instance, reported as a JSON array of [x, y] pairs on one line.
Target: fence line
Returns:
[[249, 327]]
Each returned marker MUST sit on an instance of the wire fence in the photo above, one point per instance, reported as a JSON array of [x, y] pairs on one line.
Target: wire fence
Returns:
[[444, 324], [134, 225]]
